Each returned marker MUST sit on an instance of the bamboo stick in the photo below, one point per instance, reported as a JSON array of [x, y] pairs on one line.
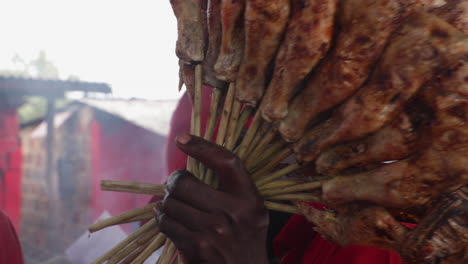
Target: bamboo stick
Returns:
[[245, 117], [292, 189], [195, 128], [277, 184], [249, 136], [155, 245], [145, 228], [211, 125], [142, 242], [133, 187], [134, 254], [115, 220], [260, 159], [168, 253], [179, 259], [296, 197], [233, 121], [281, 207], [277, 174], [263, 129], [280, 156], [260, 147]]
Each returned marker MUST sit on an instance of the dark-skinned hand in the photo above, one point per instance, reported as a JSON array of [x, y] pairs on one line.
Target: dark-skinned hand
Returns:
[[227, 225]]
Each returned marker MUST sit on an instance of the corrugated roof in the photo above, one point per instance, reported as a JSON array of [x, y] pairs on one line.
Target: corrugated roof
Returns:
[[31, 86], [154, 116]]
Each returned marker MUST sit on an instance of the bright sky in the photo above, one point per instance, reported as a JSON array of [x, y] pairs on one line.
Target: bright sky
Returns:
[[128, 44]]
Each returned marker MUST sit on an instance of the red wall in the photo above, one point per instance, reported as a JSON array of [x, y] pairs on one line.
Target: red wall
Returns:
[[10, 164], [123, 151]]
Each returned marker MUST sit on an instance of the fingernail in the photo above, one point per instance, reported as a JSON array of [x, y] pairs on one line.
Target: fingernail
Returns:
[[183, 138]]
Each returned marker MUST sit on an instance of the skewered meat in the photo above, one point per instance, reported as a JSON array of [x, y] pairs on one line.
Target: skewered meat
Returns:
[[393, 142], [438, 169], [454, 12], [265, 23], [366, 28], [214, 29], [307, 40], [191, 29], [187, 77], [232, 40], [440, 237], [419, 51]]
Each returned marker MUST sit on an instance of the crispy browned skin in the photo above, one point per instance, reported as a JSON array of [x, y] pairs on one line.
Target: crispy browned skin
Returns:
[[393, 142], [307, 40], [420, 50], [265, 23], [366, 28], [187, 77], [439, 168], [214, 43], [454, 12], [190, 28], [232, 40]]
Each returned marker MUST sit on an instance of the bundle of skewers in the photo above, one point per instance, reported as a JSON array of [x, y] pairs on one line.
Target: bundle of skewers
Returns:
[[369, 97]]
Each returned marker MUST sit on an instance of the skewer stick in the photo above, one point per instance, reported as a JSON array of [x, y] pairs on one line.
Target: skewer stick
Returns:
[[281, 207], [168, 253], [258, 137], [249, 136], [192, 164], [244, 118], [293, 189], [145, 228], [232, 126], [133, 187], [136, 247], [179, 259], [211, 125], [115, 220], [277, 184], [155, 245], [277, 174], [260, 147], [296, 197], [275, 160], [262, 158]]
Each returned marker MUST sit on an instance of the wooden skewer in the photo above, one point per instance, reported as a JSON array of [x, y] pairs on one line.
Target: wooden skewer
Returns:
[[296, 197], [195, 127], [260, 147], [155, 245], [211, 125], [130, 258], [277, 184], [232, 126], [263, 157], [145, 228], [293, 189], [249, 136], [281, 207], [115, 220], [245, 116], [133, 187], [264, 127], [280, 156], [141, 243], [277, 174], [179, 259], [168, 253]]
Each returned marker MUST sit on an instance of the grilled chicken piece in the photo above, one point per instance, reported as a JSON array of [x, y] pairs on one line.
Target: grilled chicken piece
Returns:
[[214, 43], [421, 49], [232, 40], [393, 142], [438, 169], [191, 24], [356, 224], [455, 12], [265, 23], [187, 77], [366, 26], [307, 40]]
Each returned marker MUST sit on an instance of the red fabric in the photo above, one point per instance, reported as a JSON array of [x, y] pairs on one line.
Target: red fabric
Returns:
[[297, 242], [10, 249]]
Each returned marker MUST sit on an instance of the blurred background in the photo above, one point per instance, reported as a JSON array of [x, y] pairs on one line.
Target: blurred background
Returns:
[[87, 89]]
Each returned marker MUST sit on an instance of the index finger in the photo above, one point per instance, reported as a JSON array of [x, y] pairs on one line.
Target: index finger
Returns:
[[233, 177]]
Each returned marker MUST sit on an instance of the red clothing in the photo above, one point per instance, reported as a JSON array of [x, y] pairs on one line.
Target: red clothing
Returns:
[[297, 242], [10, 249]]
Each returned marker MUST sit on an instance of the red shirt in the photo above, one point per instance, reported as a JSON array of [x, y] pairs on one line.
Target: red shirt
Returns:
[[297, 243], [10, 249]]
